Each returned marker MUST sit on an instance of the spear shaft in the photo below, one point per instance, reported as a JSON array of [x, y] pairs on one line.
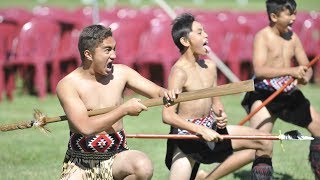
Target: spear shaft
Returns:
[[244, 137]]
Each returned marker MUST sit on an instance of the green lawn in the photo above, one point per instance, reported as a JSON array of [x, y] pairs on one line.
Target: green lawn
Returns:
[[206, 4], [30, 154]]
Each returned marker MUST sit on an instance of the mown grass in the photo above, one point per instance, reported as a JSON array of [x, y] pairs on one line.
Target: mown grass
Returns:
[[252, 5]]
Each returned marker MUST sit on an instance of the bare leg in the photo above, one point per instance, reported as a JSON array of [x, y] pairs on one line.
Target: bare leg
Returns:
[[262, 121], [132, 164], [314, 155], [242, 158], [181, 167]]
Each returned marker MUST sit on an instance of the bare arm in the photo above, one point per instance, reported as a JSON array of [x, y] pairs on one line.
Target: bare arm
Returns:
[[146, 87], [177, 80], [302, 60], [217, 105], [77, 112]]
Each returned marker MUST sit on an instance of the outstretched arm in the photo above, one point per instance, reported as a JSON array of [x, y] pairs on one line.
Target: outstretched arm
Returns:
[[145, 87], [302, 60], [77, 114]]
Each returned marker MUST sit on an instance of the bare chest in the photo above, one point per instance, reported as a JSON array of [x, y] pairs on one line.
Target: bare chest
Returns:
[[280, 53], [97, 95], [199, 79]]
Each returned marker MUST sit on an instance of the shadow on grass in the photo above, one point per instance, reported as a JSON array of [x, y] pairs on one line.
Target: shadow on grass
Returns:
[[276, 176]]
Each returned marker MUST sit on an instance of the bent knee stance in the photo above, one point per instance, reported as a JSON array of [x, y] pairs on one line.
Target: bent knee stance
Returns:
[[265, 148], [262, 169], [143, 169], [314, 157]]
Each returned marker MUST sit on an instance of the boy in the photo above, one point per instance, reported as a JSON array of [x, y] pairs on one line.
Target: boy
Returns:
[[205, 117], [275, 46], [97, 147]]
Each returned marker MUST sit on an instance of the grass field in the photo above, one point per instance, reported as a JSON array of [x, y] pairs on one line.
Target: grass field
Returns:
[[30, 154], [252, 5]]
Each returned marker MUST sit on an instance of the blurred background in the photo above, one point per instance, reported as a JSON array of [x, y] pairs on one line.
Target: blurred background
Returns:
[[39, 38]]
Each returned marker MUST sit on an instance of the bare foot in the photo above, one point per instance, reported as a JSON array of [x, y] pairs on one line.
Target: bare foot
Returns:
[[201, 175]]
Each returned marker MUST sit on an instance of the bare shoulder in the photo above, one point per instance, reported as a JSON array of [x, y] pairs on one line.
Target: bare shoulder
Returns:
[[295, 38], [66, 83], [210, 63], [263, 33], [179, 71], [123, 69]]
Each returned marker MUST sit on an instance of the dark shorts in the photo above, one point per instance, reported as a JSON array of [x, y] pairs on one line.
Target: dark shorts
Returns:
[[200, 151], [291, 107]]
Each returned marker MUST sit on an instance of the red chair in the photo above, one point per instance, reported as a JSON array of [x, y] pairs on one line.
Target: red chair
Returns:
[[239, 48], [16, 15], [127, 35], [157, 48], [37, 45], [308, 36], [61, 15], [67, 59], [7, 36]]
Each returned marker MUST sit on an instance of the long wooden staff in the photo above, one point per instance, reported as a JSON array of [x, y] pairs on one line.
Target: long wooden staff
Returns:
[[40, 120], [275, 94], [291, 135]]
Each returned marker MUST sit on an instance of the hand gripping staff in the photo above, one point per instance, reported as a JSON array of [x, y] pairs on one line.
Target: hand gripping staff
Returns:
[[40, 120]]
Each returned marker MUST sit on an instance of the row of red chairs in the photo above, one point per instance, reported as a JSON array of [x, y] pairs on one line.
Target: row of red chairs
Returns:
[[41, 45]]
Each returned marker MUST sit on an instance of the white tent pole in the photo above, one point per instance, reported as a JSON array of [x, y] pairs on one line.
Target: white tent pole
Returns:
[[95, 12]]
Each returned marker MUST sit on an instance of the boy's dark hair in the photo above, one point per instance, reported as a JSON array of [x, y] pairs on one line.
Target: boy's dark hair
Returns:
[[91, 37], [276, 6], [181, 27]]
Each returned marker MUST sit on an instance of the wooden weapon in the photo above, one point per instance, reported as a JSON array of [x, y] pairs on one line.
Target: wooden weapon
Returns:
[[40, 120]]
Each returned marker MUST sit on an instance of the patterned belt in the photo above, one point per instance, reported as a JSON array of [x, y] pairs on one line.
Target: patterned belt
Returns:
[[209, 122], [98, 143]]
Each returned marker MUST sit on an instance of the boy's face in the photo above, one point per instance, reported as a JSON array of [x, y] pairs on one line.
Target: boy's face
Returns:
[[198, 39], [104, 56], [284, 21]]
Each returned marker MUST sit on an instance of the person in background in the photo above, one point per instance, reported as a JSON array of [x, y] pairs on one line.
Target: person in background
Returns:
[[203, 117]]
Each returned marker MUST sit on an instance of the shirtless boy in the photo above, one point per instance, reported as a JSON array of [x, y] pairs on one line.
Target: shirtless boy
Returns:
[[97, 147], [275, 46], [204, 117]]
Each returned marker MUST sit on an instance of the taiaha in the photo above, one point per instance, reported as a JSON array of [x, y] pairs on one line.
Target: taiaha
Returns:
[[275, 94], [40, 120], [291, 135]]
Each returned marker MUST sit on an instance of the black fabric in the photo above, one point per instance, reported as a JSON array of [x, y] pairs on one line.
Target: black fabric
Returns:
[[194, 171], [314, 157], [199, 150], [291, 107]]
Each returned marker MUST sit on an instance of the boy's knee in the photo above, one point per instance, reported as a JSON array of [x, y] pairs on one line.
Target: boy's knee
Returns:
[[143, 168], [266, 146]]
